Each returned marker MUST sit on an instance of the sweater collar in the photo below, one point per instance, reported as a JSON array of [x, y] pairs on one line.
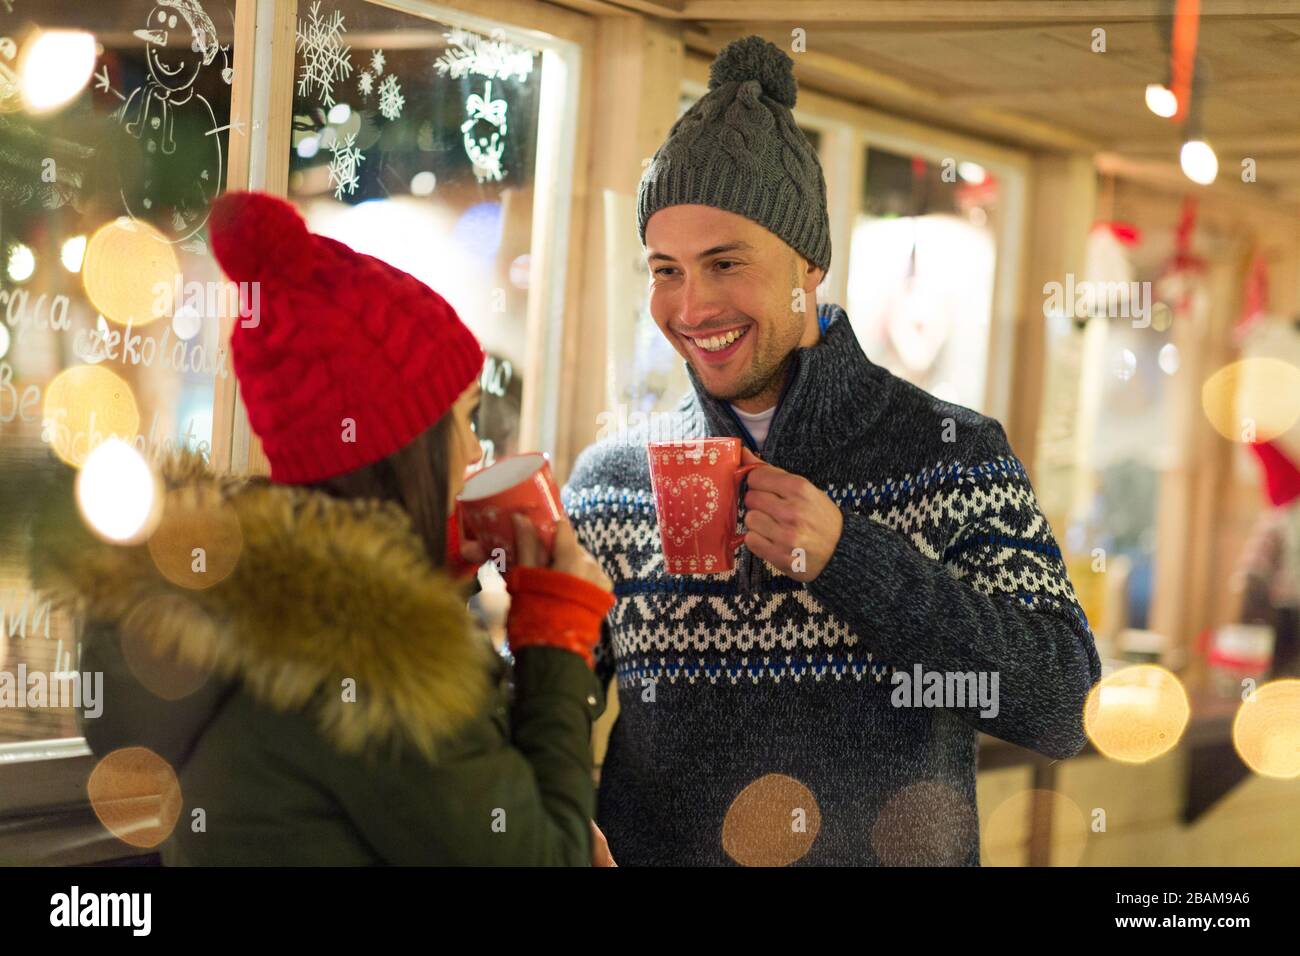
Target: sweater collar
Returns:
[[834, 393]]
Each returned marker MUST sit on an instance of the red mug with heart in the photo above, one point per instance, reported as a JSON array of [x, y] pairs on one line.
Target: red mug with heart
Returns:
[[696, 486], [519, 484]]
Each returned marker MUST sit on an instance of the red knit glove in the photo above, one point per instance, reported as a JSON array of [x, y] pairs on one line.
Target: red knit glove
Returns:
[[553, 609]]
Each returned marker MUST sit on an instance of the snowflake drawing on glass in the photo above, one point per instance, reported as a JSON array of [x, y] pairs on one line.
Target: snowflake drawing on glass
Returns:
[[390, 98], [377, 62], [485, 146], [365, 83], [494, 58], [343, 166], [325, 59]]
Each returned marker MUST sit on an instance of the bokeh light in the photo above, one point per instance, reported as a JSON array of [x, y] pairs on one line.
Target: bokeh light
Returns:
[[167, 671], [198, 541], [119, 495], [1266, 730], [22, 262], [1005, 834], [924, 824], [72, 253], [56, 65], [85, 405], [1136, 714], [130, 272], [136, 795], [1255, 399], [772, 822]]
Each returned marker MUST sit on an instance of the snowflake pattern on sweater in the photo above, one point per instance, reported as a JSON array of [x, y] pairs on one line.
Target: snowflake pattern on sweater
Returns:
[[945, 562]]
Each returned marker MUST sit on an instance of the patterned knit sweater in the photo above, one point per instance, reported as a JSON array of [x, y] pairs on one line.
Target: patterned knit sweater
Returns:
[[765, 720]]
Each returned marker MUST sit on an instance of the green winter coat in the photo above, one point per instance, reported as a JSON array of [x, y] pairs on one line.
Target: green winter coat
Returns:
[[351, 715]]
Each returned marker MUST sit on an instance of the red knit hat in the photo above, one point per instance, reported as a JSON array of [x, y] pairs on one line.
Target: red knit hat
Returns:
[[1281, 477], [348, 359]]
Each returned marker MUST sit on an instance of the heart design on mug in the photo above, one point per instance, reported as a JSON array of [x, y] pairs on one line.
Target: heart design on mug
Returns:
[[681, 512]]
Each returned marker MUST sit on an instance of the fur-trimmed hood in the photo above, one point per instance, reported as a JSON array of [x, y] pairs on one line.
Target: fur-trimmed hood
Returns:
[[321, 590]]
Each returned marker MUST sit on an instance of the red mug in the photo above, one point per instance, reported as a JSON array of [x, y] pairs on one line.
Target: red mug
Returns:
[[696, 486], [519, 484]]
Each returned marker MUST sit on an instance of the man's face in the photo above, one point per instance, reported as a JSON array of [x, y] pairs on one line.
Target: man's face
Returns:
[[723, 291]]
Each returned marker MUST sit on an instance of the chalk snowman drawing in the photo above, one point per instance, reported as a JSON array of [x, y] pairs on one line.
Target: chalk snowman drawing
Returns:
[[180, 40], [485, 127]]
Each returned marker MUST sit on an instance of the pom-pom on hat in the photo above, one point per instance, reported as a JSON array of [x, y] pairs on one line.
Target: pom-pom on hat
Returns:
[[341, 358], [738, 148]]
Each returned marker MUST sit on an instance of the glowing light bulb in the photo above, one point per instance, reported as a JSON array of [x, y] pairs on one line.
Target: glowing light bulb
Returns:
[[72, 253], [118, 493], [22, 262], [1161, 100], [1199, 163], [56, 65]]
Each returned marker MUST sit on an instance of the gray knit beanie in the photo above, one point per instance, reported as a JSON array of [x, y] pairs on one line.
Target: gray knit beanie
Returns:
[[738, 149]]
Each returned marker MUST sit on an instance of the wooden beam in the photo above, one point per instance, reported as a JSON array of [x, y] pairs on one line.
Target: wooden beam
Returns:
[[1134, 89], [1228, 191], [992, 11], [1244, 144], [864, 84]]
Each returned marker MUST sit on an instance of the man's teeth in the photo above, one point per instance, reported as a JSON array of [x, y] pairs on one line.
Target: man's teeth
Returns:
[[718, 342]]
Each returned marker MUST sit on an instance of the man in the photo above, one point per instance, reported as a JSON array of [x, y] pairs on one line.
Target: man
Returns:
[[898, 591]]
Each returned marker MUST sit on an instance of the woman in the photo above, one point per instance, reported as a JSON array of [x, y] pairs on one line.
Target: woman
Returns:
[[353, 714]]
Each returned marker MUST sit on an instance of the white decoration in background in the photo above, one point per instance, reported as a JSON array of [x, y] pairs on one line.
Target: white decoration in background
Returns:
[[377, 62], [495, 58], [325, 59], [391, 100], [149, 112], [10, 91], [485, 152], [365, 83], [343, 166]]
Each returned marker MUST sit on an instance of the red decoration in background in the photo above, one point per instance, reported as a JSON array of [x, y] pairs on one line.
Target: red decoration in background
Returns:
[[1255, 297], [1187, 16], [1183, 257], [1127, 233]]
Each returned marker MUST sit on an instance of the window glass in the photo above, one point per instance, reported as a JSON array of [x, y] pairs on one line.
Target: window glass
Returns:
[[114, 140], [921, 271], [416, 142]]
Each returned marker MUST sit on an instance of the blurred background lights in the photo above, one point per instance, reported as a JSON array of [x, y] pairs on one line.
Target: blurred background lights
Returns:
[[308, 146], [1136, 714], [22, 262], [1161, 100], [136, 795], [924, 824], [118, 493], [772, 822], [971, 172], [1266, 730], [72, 253], [1255, 399], [1167, 358], [196, 519], [339, 113], [1199, 163], [186, 322], [1124, 364], [130, 272], [84, 405], [4, 340], [1005, 834], [167, 671], [423, 183], [56, 65]]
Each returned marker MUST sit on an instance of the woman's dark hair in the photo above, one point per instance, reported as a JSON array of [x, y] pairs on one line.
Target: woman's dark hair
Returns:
[[415, 477]]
